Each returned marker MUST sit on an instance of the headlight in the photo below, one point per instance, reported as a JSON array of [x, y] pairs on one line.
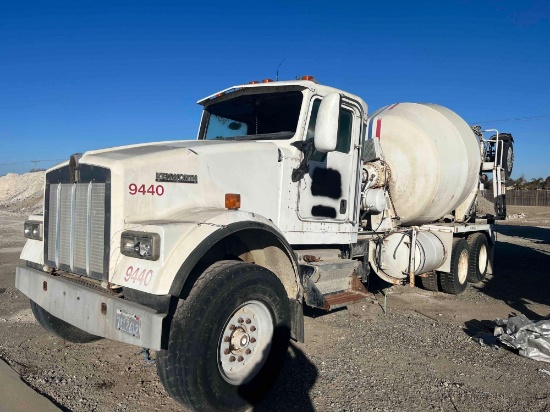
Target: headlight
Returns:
[[32, 229], [140, 245]]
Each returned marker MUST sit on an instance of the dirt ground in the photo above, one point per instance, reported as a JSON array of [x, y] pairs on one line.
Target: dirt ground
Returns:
[[419, 356]]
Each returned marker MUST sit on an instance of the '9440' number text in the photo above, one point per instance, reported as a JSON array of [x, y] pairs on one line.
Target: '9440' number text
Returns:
[[157, 190], [141, 276]]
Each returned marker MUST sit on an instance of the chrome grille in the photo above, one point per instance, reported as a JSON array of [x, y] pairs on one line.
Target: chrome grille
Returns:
[[76, 227]]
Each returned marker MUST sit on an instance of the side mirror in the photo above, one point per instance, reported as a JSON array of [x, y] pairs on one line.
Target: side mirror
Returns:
[[326, 127]]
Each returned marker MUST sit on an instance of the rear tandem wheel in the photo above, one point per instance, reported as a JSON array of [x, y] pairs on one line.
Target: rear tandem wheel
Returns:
[[479, 257], [456, 281]]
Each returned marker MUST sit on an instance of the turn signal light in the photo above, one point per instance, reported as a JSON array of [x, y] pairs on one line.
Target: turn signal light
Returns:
[[232, 201], [267, 80], [254, 82]]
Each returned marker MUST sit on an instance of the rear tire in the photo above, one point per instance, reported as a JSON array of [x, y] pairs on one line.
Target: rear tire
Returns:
[[479, 257], [456, 281], [59, 327], [228, 339], [429, 281]]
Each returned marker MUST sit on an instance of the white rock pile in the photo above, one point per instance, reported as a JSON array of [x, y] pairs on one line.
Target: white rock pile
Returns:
[[22, 193]]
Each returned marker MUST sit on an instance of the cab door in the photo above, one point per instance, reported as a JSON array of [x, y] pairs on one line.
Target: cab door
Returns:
[[327, 193]]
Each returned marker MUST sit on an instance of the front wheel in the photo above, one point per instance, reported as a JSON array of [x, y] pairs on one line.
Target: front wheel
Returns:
[[228, 339]]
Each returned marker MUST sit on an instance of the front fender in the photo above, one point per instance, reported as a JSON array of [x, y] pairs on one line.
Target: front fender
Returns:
[[184, 241]]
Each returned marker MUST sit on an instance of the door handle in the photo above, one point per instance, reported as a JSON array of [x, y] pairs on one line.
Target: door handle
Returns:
[[343, 206]]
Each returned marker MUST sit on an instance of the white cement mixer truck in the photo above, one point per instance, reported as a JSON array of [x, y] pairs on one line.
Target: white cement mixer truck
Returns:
[[207, 251]]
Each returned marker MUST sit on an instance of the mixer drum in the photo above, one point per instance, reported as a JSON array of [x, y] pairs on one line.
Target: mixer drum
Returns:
[[433, 155]]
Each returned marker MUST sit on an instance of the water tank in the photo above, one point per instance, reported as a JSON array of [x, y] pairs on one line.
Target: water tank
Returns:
[[433, 155]]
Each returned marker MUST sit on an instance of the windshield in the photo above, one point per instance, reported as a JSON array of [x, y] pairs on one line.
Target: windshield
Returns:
[[257, 116]]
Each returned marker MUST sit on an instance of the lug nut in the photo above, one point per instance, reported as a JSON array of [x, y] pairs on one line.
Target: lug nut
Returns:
[[248, 351], [232, 359], [232, 327], [226, 352], [252, 340], [240, 359], [253, 328], [248, 321], [227, 339], [241, 320]]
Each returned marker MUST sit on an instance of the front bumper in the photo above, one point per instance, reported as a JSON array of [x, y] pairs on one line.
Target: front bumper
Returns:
[[85, 308]]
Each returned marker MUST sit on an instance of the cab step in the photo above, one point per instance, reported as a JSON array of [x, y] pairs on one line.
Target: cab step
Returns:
[[332, 283], [337, 300]]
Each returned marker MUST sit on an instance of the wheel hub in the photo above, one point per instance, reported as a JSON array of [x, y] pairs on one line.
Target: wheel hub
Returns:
[[244, 343], [482, 262], [463, 266], [239, 339]]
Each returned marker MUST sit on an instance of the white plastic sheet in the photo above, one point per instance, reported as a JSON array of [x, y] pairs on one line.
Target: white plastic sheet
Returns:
[[531, 339]]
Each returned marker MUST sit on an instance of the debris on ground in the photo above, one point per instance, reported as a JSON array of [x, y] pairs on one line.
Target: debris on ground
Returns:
[[516, 216], [531, 339], [486, 340]]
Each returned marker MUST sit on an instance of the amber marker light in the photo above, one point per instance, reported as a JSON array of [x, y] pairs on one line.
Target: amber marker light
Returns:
[[308, 77], [254, 82], [232, 201], [267, 80]]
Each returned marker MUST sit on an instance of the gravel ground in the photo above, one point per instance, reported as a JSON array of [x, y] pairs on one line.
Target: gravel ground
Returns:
[[419, 356]]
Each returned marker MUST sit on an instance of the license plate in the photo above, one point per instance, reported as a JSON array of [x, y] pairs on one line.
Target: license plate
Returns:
[[128, 322]]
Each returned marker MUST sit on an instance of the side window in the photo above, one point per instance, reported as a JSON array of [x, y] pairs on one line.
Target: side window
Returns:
[[344, 131]]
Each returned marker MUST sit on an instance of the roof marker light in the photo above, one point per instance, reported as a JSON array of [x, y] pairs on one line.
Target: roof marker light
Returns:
[[308, 77], [267, 80], [254, 82]]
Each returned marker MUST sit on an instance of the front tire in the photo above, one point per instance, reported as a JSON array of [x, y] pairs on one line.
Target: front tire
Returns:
[[456, 281], [59, 327], [228, 339]]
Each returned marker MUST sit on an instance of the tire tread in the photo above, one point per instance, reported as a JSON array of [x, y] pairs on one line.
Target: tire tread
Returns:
[[173, 371], [449, 281], [474, 240], [429, 281]]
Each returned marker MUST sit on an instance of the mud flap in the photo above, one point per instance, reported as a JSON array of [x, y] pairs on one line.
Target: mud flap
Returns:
[[296, 321]]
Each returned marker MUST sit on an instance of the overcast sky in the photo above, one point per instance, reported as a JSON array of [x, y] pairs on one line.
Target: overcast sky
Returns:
[[81, 75]]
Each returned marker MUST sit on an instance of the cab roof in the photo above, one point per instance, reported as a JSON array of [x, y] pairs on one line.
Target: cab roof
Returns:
[[288, 85]]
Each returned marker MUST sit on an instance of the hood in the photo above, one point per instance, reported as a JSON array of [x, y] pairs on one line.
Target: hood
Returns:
[[158, 181]]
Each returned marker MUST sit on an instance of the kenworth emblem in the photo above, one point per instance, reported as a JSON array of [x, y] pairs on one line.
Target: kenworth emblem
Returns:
[[176, 178]]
